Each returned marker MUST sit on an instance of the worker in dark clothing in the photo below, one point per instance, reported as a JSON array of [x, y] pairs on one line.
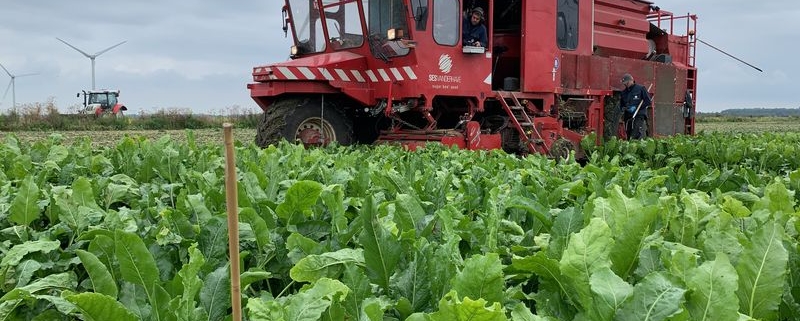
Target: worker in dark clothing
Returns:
[[473, 32], [635, 103]]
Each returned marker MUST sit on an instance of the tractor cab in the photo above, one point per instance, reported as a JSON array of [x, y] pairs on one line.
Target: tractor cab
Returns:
[[102, 101]]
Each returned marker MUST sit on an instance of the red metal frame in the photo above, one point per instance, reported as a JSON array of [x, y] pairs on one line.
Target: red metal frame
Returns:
[[614, 43], [665, 17]]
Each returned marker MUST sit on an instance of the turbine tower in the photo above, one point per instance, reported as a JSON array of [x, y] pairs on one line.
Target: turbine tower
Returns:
[[12, 85], [92, 57]]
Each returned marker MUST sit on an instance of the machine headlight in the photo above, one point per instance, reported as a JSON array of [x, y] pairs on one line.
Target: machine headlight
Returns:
[[294, 51]]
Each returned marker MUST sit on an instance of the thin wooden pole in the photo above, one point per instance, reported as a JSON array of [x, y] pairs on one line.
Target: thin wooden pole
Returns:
[[232, 202]]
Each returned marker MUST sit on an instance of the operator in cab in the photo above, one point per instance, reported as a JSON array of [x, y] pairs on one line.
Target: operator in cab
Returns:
[[473, 32], [635, 103]]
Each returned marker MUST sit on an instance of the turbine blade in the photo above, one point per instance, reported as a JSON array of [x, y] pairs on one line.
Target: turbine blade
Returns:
[[4, 68], [73, 47], [30, 74], [109, 48], [6, 93]]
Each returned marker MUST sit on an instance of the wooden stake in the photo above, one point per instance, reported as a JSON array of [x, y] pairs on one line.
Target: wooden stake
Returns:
[[232, 202]]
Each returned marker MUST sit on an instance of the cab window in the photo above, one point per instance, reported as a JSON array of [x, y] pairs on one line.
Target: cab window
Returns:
[[383, 15], [446, 18], [567, 24], [343, 23]]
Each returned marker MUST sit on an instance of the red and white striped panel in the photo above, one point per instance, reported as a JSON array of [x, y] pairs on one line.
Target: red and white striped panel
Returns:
[[331, 74]]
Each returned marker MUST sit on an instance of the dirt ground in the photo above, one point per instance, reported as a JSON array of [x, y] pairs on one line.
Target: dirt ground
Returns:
[[750, 127]]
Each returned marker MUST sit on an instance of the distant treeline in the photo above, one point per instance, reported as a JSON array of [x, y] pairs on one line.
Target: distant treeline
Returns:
[[46, 117], [755, 112]]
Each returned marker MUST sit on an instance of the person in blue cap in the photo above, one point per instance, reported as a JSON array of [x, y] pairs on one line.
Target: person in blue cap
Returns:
[[635, 103], [473, 32]]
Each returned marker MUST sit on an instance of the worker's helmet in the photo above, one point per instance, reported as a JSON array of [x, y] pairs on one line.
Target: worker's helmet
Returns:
[[479, 11], [627, 77]]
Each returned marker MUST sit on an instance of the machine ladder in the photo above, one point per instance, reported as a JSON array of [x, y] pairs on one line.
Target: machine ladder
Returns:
[[522, 122]]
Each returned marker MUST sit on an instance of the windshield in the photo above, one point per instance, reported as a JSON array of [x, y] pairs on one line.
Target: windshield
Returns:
[[383, 15], [307, 26], [343, 23], [342, 20], [103, 99]]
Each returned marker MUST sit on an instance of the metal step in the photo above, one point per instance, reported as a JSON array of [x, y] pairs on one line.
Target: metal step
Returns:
[[526, 124]]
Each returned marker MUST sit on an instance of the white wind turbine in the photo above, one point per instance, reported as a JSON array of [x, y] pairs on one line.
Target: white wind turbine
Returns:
[[92, 57], [12, 85]]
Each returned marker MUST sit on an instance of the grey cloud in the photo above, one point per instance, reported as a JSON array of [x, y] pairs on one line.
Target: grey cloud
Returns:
[[199, 54]]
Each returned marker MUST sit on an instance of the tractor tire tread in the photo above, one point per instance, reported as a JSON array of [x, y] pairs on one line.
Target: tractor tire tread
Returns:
[[272, 128]]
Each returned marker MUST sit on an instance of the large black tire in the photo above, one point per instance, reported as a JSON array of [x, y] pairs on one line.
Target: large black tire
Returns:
[[304, 119], [561, 149], [611, 117]]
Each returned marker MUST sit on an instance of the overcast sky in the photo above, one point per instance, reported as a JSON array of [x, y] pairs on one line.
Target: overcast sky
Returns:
[[199, 55]]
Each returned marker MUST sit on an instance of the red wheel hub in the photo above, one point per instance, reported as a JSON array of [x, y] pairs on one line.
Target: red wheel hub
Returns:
[[315, 132], [310, 136]]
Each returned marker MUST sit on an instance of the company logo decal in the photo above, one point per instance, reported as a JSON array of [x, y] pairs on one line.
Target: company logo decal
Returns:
[[445, 63]]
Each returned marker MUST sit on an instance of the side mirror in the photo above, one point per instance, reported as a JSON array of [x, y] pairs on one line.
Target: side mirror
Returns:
[[78, 95], [285, 13]]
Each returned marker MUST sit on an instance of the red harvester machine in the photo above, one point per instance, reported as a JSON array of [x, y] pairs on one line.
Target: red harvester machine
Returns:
[[396, 71]]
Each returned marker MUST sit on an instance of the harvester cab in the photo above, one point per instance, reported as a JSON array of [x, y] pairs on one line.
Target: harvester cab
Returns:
[[399, 71], [102, 102]]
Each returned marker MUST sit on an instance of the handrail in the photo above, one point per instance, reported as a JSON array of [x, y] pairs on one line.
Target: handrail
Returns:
[[662, 16]]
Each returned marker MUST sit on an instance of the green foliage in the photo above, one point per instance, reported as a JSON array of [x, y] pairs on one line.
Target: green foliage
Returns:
[[331, 264], [452, 308], [215, 296], [654, 298], [381, 249], [587, 253], [650, 230], [713, 288], [25, 208], [308, 304], [46, 117], [102, 281], [609, 292], [762, 272], [97, 306], [481, 277]]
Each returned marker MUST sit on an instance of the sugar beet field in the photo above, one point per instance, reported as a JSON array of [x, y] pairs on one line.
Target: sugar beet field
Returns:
[[132, 226], [755, 125]]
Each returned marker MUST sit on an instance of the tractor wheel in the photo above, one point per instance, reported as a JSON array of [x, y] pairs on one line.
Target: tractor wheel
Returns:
[[305, 120], [561, 149]]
